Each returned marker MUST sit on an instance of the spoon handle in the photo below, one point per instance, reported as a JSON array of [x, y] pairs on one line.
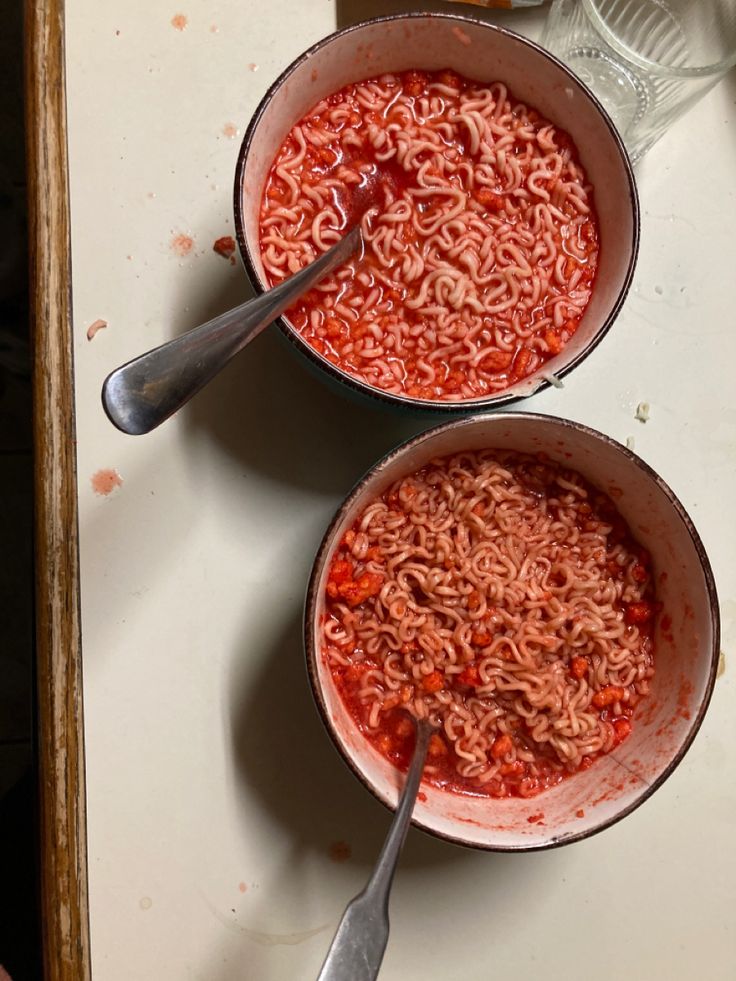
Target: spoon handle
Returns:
[[141, 394], [358, 946]]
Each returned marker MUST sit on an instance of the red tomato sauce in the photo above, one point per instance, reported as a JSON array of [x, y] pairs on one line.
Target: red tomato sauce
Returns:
[[338, 338], [394, 738], [350, 583]]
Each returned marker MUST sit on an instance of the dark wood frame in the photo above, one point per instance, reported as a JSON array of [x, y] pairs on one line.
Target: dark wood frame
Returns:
[[62, 820]]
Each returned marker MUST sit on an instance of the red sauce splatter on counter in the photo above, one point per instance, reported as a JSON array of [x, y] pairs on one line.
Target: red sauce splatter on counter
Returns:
[[214, 28], [253, 66], [104, 482], [179, 22], [340, 851], [224, 246], [230, 130], [182, 244], [93, 328], [242, 886]]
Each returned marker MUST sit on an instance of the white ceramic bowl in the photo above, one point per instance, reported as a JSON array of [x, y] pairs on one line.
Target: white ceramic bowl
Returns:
[[686, 652], [486, 53]]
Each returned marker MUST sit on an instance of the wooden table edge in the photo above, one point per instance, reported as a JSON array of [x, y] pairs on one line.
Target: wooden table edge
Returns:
[[64, 903]]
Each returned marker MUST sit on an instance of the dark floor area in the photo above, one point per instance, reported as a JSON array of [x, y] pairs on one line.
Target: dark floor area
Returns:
[[19, 938]]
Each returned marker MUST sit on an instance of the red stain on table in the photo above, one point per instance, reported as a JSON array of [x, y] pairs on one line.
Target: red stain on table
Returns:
[[182, 244], [179, 22], [242, 886], [340, 851], [230, 130], [94, 327], [104, 482], [225, 247]]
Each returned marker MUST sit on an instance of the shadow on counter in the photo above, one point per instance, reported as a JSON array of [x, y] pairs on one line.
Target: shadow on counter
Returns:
[[277, 416], [284, 755]]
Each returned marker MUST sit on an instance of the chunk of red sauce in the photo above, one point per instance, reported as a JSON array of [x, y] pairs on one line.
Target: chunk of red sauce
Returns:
[[224, 246]]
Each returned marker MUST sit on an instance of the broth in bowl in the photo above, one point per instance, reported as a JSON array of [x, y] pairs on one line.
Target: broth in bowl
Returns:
[[480, 254]]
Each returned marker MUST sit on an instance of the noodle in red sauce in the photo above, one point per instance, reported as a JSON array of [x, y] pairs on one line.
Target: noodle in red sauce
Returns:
[[504, 598], [481, 238]]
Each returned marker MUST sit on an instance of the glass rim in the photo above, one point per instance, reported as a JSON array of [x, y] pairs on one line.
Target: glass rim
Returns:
[[706, 71]]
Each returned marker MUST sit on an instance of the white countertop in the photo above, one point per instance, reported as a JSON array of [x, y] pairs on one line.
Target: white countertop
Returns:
[[213, 793]]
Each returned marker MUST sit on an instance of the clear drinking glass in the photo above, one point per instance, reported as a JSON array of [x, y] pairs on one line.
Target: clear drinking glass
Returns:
[[648, 61]]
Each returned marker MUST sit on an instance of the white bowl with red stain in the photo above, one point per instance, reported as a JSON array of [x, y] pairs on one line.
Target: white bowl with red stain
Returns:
[[471, 47], [687, 638]]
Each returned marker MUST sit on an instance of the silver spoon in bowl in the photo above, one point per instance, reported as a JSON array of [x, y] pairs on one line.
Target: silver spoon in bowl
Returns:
[[359, 944], [141, 394]]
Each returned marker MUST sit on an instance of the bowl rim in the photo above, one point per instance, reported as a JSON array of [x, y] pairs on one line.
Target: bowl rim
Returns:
[[428, 406], [327, 544]]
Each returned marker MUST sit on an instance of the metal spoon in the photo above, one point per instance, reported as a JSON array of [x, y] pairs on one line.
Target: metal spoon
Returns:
[[360, 941], [141, 394]]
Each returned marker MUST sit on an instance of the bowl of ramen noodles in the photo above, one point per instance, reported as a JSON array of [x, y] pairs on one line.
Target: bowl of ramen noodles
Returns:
[[538, 593], [498, 207]]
